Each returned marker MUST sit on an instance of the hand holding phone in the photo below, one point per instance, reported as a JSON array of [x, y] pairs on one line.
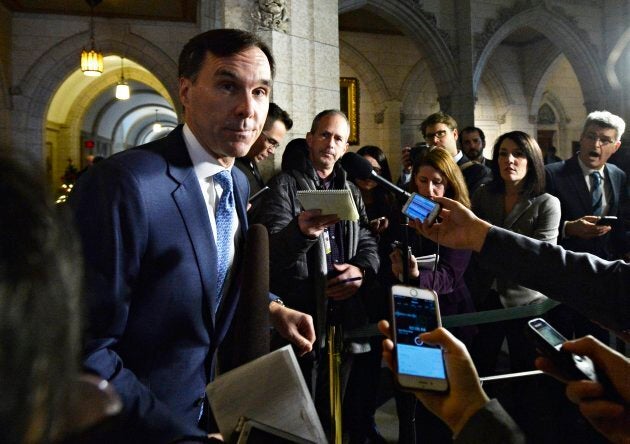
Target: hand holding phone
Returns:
[[418, 366], [549, 342], [607, 220], [421, 208]]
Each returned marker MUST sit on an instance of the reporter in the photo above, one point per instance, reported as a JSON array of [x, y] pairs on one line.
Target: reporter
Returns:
[[465, 408], [609, 417], [595, 287]]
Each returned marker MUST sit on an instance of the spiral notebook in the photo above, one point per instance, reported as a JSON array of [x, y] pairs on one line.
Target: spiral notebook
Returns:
[[339, 202]]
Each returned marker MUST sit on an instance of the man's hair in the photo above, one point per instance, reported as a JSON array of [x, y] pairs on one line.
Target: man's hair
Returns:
[[606, 119], [40, 315], [325, 113], [534, 182], [472, 129], [277, 113], [436, 118], [220, 43]]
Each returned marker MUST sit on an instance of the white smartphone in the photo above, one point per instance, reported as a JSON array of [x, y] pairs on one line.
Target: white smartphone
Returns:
[[418, 366], [421, 208]]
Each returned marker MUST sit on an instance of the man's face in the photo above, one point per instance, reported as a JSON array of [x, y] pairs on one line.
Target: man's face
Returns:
[[441, 136], [597, 144], [328, 143], [268, 141], [226, 106], [472, 145]]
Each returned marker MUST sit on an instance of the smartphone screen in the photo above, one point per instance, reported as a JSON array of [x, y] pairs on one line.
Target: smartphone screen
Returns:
[[421, 208], [548, 333], [419, 365]]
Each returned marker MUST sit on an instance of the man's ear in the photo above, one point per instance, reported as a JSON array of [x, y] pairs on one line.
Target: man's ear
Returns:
[[309, 139], [455, 134], [184, 87]]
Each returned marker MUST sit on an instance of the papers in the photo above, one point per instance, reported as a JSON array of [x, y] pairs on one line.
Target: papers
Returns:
[[270, 390], [427, 262], [339, 202]]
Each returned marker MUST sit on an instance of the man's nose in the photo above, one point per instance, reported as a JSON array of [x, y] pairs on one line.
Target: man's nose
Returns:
[[246, 105]]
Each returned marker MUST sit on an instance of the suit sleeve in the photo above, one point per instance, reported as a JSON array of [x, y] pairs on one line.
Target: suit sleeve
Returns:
[[112, 222], [596, 288], [548, 220]]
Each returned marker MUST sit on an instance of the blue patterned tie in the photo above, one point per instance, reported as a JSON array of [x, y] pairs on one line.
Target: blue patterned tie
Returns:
[[224, 212], [596, 193]]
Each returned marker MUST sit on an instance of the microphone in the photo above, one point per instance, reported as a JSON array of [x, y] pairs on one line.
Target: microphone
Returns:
[[360, 168], [248, 337]]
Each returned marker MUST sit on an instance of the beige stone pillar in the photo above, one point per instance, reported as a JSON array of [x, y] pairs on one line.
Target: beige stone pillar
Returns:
[[304, 38]]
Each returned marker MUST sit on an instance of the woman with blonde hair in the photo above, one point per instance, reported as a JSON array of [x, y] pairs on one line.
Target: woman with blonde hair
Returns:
[[435, 174]]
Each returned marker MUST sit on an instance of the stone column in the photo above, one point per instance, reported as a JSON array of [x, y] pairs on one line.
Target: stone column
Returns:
[[461, 103], [304, 38], [391, 135]]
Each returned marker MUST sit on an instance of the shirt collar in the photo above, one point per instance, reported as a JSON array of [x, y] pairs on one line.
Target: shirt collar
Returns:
[[204, 163], [586, 171], [458, 156]]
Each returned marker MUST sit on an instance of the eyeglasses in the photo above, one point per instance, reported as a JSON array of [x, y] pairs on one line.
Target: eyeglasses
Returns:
[[605, 141], [439, 134], [270, 140]]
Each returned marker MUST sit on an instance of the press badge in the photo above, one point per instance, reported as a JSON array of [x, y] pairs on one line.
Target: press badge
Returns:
[[327, 246]]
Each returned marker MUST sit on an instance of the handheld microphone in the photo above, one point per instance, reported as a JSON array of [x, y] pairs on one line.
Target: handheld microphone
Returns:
[[360, 168]]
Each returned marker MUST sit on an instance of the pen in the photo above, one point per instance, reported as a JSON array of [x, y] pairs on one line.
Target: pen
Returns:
[[343, 281]]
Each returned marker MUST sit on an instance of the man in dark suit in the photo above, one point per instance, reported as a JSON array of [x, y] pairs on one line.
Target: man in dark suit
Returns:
[[588, 187], [161, 227], [472, 142], [440, 130], [276, 126]]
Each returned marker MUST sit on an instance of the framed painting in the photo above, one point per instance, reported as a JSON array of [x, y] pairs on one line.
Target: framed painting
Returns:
[[349, 94]]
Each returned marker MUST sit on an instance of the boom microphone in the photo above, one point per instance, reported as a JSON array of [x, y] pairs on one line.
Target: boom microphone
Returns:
[[360, 168]]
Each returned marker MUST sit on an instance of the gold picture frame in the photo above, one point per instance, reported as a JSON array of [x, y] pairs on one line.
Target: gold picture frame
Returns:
[[349, 94]]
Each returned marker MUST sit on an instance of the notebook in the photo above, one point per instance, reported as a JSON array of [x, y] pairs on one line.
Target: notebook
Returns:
[[339, 202]]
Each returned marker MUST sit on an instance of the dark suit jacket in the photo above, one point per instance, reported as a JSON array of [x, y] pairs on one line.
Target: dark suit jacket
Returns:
[[596, 288], [255, 183], [474, 173], [151, 263], [566, 181]]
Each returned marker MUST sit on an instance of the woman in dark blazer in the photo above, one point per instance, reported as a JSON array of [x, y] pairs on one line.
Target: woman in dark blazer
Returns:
[[514, 200]]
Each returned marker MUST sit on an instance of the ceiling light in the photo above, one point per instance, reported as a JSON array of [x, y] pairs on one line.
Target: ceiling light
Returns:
[[92, 60], [122, 87], [157, 127]]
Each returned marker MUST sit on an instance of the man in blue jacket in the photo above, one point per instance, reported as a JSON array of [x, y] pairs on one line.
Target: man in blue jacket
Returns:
[[162, 225]]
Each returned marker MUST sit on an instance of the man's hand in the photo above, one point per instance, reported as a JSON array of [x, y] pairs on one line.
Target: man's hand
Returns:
[[312, 223], [378, 225], [610, 418], [397, 264], [459, 228], [585, 228], [346, 283], [294, 326], [465, 396]]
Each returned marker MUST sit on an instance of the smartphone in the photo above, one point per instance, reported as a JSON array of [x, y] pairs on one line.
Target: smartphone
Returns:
[[418, 366], [258, 194], [607, 220], [421, 208], [549, 342]]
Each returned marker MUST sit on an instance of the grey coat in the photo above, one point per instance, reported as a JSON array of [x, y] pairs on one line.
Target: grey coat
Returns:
[[536, 217]]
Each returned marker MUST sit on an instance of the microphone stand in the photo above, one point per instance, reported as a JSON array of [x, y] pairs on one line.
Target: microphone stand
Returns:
[[334, 338]]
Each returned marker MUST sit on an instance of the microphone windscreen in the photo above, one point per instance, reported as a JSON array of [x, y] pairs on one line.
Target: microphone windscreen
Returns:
[[356, 166], [248, 337]]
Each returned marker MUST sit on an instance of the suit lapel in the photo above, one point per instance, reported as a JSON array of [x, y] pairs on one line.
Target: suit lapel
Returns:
[[615, 187], [521, 207], [576, 179], [192, 208]]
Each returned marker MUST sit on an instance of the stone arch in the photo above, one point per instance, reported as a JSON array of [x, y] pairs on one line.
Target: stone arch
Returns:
[[541, 82], [613, 58], [560, 30], [370, 76], [48, 72], [556, 105], [422, 32], [500, 94]]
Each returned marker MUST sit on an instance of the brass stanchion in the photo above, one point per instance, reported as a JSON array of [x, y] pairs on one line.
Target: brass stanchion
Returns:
[[335, 343]]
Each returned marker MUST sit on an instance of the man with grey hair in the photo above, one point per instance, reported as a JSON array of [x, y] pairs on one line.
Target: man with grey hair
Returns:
[[319, 263], [589, 189]]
